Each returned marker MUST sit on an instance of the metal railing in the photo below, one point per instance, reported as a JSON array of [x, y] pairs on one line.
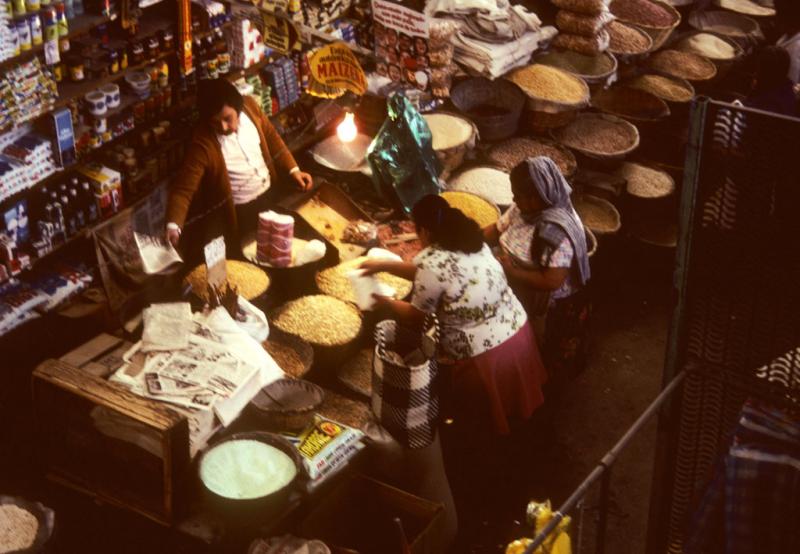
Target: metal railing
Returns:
[[602, 473]]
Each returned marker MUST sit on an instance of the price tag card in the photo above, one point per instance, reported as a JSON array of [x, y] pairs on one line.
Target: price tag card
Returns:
[[215, 262]]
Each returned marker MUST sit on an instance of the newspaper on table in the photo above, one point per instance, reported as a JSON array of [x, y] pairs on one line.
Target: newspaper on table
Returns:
[[218, 372], [157, 253], [167, 326]]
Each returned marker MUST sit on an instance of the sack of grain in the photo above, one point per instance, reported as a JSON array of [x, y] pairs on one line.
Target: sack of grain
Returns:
[[599, 215], [591, 46], [480, 210], [631, 103], [597, 69], [335, 281], [710, 46], [590, 7], [319, 320], [746, 7], [656, 17], [646, 182], [582, 24]]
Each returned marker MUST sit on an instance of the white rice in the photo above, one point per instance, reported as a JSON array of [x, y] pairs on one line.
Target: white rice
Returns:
[[490, 183], [448, 131]]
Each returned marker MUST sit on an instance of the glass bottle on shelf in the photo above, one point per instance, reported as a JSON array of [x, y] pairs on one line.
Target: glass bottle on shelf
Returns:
[[77, 7], [70, 221], [92, 212], [78, 210], [61, 19]]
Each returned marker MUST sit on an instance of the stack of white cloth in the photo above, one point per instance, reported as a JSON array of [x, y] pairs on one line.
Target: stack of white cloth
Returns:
[[494, 37]]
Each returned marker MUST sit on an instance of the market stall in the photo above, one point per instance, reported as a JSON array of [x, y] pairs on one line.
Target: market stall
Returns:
[[211, 364]]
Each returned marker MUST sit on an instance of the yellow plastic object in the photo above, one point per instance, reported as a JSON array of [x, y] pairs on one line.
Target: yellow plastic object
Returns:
[[558, 542]]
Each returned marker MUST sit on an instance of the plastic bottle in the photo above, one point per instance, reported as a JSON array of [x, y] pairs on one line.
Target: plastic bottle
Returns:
[[35, 23]]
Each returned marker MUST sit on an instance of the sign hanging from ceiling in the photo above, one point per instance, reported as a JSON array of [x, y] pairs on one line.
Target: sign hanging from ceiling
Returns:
[[279, 33], [335, 66]]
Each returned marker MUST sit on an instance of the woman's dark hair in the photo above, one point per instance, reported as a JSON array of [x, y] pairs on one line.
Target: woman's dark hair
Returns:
[[521, 181], [772, 67], [449, 228], [215, 94]]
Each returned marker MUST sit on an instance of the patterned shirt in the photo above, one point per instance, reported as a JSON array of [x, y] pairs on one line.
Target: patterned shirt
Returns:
[[516, 240], [470, 295]]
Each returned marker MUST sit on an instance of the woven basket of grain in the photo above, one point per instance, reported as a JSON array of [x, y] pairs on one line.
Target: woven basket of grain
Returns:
[[669, 89], [655, 17], [598, 215], [251, 281], [591, 242], [554, 96], [453, 137], [475, 207], [331, 326], [287, 405], [600, 136], [513, 151], [655, 232], [739, 28], [595, 70], [494, 106], [334, 281], [628, 42], [292, 354], [356, 373], [631, 103], [646, 183], [724, 52], [684, 65]]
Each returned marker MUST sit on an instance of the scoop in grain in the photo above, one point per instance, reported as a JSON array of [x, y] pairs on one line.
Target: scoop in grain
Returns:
[[334, 281]]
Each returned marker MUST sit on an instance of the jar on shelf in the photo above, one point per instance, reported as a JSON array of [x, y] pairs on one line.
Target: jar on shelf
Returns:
[[76, 69], [31, 6], [113, 62], [123, 59], [137, 53], [152, 48], [167, 41]]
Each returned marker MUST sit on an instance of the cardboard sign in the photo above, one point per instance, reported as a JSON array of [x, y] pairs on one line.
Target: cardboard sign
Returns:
[[279, 33], [336, 66], [215, 262]]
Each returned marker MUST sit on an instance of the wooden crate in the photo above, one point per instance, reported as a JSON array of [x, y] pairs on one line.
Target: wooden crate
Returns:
[[100, 439]]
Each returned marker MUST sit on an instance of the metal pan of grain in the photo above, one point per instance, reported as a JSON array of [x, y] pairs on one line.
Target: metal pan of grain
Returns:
[[655, 17], [669, 89], [292, 354], [684, 65], [595, 70], [286, 405], [600, 136], [723, 51], [628, 42], [740, 28], [334, 281], [644, 182], [331, 326], [509, 153], [550, 89], [746, 7], [631, 103], [356, 373], [453, 137], [600, 216], [487, 181]]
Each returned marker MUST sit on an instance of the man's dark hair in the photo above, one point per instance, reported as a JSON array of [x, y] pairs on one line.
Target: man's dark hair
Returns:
[[214, 94], [772, 67]]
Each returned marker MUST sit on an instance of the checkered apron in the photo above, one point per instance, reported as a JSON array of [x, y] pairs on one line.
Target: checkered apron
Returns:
[[404, 398]]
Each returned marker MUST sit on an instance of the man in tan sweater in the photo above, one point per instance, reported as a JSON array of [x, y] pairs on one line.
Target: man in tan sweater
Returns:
[[231, 168]]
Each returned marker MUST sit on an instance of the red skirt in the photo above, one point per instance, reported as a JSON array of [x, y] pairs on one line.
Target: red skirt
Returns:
[[498, 385]]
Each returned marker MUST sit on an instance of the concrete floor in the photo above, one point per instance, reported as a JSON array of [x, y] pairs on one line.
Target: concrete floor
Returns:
[[632, 310]]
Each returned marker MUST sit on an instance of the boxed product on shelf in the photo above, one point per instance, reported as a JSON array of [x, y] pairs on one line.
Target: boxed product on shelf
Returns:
[[107, 186], [13, 178], [58, 283], [64, 137], [17, 222], [245, 44]]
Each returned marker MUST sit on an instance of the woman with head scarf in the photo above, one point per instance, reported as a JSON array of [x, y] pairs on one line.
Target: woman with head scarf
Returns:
[[544, 254]]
